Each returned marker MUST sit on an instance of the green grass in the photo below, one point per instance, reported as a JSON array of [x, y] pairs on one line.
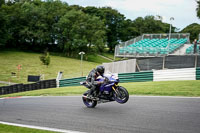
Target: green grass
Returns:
[[63, 91], [31, 65], [111, 56], [108, 55], [97, 59], [1, 84], [14, 129], [163, 88]]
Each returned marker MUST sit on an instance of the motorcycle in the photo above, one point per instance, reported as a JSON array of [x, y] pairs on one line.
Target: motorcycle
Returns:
[[109, 91]]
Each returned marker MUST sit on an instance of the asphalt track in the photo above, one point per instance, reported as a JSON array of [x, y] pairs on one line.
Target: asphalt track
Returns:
[[138, 115]]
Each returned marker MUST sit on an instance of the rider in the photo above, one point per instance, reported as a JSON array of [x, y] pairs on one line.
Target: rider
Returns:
[[91, 79]]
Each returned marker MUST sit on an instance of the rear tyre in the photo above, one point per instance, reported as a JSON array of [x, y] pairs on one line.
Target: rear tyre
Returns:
[[88, 102], [121, 95]]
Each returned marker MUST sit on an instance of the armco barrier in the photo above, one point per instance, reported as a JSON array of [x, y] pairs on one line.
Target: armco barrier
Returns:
[[156, 75], [175, 74], [71, 82], [28, 87], [123, 77], [198, 73], [136, 77]]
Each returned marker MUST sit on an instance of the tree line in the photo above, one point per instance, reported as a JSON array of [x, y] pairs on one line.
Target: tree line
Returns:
[[36, 25]]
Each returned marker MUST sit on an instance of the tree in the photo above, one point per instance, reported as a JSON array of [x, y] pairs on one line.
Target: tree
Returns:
[[2, 2], [13, 16], [128, 30], [95, 33], [78, 31], [3, 27], [150, 24], [34, 31], [54, 10], [36, 24], [193, 29], [113, 23], [198, 8], [45, 58]]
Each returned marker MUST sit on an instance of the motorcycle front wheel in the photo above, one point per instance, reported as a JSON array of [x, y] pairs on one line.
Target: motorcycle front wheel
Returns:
[[88, 102], [121, 95]]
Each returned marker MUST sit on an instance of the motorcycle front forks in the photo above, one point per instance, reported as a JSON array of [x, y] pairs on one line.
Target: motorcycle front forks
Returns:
[[114, 88]]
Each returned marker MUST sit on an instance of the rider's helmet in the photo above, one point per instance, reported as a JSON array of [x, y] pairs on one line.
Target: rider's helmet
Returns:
[[100, 70]]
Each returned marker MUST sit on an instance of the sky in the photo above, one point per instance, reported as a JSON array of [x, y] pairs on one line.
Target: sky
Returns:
[[183, 11]]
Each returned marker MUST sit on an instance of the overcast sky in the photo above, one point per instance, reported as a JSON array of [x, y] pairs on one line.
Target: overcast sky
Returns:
[[183, 11]]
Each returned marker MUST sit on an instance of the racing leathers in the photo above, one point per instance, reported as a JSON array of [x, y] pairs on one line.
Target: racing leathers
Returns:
[[92, 83]]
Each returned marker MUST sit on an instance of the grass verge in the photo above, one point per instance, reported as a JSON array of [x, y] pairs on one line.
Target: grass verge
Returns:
[[111, 56], [97, 59], [15, 129], [31, 65], [1, 84], [162, 88]]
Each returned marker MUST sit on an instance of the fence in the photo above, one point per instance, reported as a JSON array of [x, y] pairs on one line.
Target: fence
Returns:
[[155, 75], [71, 82], [198, 73], [125, 66], [162, 36], [168, 62], [174, 74], [27, 87], [136, 77], [123, 77]]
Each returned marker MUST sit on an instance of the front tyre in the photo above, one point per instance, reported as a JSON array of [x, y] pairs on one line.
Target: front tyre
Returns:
[[121, 95], [88, 102]]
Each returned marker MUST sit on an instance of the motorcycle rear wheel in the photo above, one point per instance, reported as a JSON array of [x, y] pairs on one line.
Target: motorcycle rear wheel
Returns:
[[121, 95], [88, 102]]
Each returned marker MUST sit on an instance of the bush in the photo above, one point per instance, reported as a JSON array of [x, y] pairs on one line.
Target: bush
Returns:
[[45, 58]]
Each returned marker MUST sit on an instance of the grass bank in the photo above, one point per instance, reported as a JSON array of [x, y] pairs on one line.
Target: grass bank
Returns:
[[14, 129], [2, 84], [111, 56], [162, 88], [31, 65]]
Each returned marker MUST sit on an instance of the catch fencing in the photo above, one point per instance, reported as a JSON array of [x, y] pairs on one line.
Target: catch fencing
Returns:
[[168, 62], [44, 84]]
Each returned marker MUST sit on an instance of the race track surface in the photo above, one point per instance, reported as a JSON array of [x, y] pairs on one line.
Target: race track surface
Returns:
[[138, 115]]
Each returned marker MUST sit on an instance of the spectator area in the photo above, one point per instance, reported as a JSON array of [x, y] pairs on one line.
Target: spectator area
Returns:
[[153, 46], [190, 50]]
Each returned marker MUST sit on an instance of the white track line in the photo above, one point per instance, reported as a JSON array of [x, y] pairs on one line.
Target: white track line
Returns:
[[81, 96], [165, 97], [40, 128]]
